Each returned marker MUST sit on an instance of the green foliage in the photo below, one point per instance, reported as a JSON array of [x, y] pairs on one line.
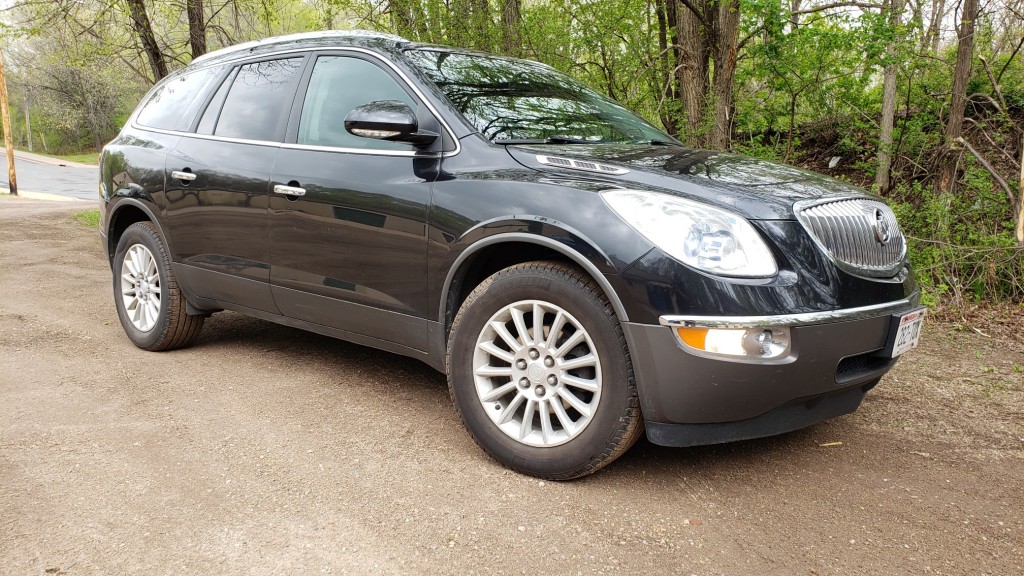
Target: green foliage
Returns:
[[961, 246], [88, 218], [755, 145], [807, 88]]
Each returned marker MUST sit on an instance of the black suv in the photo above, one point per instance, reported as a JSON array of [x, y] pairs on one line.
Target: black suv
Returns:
[[579, 275]]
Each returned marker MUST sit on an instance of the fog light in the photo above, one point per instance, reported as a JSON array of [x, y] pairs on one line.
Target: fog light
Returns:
[[745, 342]]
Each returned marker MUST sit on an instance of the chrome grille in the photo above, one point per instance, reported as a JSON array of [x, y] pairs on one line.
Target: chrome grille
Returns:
[[860, 235]]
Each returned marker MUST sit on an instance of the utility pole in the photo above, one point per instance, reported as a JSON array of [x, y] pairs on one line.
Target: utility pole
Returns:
[[8, 142]]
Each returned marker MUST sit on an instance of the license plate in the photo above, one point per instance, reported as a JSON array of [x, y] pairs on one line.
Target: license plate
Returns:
[[908, 331]]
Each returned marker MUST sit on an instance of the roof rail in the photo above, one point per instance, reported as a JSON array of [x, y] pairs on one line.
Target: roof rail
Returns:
[[300, 36]]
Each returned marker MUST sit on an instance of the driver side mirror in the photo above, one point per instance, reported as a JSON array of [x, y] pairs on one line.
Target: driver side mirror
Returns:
[[391, 120]]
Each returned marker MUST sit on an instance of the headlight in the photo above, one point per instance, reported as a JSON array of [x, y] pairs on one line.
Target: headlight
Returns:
[[711, 239]]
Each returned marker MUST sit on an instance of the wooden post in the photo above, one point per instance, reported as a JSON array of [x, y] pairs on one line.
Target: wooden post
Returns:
[[1020, 199], [8, 143]]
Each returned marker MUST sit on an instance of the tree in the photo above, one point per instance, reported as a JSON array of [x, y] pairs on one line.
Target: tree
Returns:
[[196, 27], [704, 38], [948, 156], [894, 10], [144, 30]]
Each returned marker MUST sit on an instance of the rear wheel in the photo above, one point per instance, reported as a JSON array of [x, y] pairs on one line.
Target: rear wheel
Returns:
[[539, 371], [149, 303]]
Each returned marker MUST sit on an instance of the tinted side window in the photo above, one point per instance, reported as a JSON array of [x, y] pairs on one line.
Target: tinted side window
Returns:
[[337, 85], [209, 117], [169, 106], [258, 100]]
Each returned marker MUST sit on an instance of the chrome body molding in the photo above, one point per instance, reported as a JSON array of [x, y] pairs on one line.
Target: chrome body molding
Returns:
[[786, 320]]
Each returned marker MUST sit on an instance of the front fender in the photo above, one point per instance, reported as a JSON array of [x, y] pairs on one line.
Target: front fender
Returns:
[[539, 231]]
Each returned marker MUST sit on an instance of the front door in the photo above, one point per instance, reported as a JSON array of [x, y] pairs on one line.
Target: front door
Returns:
[[348, 214]]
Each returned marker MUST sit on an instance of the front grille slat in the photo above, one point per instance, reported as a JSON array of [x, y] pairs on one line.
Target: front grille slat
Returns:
[[851, 230]]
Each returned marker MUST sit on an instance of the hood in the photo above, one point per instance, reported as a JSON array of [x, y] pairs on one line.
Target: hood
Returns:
[[757, 189]]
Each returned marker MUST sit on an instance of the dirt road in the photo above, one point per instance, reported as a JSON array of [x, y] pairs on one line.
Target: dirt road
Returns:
[[266, 450]]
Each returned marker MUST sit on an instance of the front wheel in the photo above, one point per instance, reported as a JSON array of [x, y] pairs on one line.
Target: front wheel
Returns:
[[540, 373], [149, 303]]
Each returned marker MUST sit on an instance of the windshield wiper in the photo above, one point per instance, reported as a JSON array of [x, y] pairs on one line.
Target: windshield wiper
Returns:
[[550, 140], [661, 143]]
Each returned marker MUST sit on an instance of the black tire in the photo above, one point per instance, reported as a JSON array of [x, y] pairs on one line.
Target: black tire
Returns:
[[548, 290], [170, 326]]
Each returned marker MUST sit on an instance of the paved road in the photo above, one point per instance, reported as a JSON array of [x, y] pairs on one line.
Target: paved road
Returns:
[[41, 174]]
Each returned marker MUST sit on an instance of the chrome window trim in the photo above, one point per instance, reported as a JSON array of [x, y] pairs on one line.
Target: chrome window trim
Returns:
[[788, 320], [318, 52], [266, 143], [374, 151]]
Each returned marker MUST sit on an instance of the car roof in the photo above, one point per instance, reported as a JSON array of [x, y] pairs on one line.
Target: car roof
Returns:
[[325, 38]]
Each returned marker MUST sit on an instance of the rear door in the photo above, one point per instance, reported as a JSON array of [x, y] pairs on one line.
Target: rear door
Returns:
[[217, 184], [350, 252]]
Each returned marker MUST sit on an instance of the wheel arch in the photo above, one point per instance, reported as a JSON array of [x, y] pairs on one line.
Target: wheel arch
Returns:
[[127, 212], [488, 255]]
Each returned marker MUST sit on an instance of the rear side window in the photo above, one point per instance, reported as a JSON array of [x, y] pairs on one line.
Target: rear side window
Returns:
[[173, 103], [258, 100]]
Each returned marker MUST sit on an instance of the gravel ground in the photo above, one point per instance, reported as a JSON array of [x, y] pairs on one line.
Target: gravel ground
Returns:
[[266, 450]]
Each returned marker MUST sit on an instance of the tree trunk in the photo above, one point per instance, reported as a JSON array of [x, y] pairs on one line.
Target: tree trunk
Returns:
[[895, 8], [408, 19], [196, 27], [481, 25], [934, 26], [28, 122], [692, 73], [666, 13], [958, 100], [144, 30], [511, 16], [470, 24], [726, 45]]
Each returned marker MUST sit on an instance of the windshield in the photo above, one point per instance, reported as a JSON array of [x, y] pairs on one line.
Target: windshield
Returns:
[[517, 101]]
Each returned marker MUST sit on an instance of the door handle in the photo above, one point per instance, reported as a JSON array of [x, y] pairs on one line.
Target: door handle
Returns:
[[183, 176], [289, 190]]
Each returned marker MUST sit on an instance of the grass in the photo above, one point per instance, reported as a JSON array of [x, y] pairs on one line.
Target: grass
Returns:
[[90, 218], [91, 158]]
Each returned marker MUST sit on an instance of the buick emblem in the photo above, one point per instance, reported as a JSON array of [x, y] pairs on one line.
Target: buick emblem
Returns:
[[881, 228]]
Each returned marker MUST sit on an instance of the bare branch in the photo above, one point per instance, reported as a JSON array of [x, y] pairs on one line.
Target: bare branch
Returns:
[[999, 179], [700, 15], [995, 83], [1013, 161], [1010, 59], [823, 7]]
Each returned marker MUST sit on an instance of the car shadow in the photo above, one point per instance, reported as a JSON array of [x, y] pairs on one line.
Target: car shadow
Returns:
[[413, 385]]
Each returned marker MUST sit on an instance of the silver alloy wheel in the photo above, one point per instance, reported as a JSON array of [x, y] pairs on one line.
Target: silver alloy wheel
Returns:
[[537, 373], [140, 287]]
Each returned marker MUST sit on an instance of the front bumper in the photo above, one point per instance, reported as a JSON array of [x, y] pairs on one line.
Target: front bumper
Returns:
[[687, 399]]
